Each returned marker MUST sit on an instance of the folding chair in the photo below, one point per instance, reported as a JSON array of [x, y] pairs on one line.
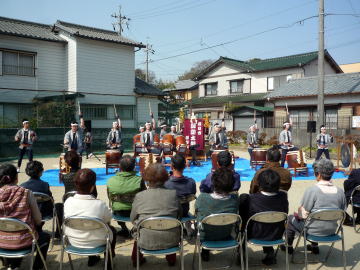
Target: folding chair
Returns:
[[160, 224], [267, 217], [85, 224], [355, 205], [330, 215], [187, 221], [222, 219], [123, 198], [16, 225], [42, 198]]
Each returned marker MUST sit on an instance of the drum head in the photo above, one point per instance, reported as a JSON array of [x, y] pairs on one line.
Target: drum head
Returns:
[[345, 155]]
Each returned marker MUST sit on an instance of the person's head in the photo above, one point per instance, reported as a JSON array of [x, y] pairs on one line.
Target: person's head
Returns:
[[323, 129], [34, 169], [74, 126], [85, 181], [141, 129], [252, 128], [223, 181], [115, 125], [269, 181], [286, 125], [323, 169], [25, 123], [217, 128], [72, 159], [163, 126], [8, 174], [148, 126], [155, 175], [178, 162], [273, 154], [224, 159], [127, 163], [173, 129]]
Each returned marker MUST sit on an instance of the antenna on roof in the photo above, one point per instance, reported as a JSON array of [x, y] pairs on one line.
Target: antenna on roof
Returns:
[[121, 20]]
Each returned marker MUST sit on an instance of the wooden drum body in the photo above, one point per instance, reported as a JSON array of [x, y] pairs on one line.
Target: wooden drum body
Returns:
[[258, 157], [296, 162], [168, 144], [64, 168], [137, 144], [112, 158], [147, 159], [180, 142]]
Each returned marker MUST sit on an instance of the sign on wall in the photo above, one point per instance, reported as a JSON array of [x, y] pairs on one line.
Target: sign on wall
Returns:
[[356, 121], [194, 133]]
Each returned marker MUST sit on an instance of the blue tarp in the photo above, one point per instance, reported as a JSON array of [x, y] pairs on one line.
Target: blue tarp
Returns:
[[242, 166]]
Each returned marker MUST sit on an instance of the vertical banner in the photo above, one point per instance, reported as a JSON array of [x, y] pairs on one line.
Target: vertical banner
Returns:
[[194, 133]]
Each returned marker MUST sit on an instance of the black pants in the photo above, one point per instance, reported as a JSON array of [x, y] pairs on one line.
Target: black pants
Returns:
[[284, 152], [43, 242], [87, 149], [250, 150], [24, 151], [320, 152]]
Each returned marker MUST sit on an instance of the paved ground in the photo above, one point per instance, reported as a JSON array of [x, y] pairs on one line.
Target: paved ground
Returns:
[[124, 246]]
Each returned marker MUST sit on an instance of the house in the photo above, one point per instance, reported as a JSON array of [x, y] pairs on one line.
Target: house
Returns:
[[242, 86], [94, 67], [350, 68], [341, 100], [184, 90]]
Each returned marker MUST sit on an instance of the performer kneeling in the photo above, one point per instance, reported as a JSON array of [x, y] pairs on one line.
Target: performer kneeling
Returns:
[[323, 139], [26, 137], [285, 141], [113, 141]]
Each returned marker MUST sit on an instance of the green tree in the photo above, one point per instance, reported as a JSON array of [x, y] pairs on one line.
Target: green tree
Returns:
[[196, 69]]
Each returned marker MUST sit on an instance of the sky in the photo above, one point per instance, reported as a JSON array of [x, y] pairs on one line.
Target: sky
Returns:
[[207, 29]]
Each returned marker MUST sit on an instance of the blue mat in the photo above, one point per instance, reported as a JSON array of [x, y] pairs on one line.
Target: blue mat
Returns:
[[242, 166]]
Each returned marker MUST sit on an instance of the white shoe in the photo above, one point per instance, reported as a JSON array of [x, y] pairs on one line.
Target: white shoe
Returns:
[[91, 155], [18, 170]]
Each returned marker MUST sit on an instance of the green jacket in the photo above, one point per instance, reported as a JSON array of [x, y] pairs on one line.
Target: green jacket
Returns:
[[122, 189]]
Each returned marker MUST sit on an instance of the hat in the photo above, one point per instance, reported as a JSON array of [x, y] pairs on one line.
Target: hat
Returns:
[[141, 127], [173, 126], [286, 123], [163, 125], [115, 122], [74, 124], [25, 121]]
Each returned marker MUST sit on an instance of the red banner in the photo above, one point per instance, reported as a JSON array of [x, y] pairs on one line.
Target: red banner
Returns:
[[194, 133]]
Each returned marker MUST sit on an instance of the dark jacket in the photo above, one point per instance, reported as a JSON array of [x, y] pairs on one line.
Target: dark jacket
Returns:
[[38, 185], [184, 186], [350, 184], [261, 203], [285, 177], [207, 187]]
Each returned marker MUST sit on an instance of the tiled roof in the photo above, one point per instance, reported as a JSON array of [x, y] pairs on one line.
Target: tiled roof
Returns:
[[183, 85], [28, 29], [225, 99], [345, 83], [256, 65], [96, 33], [144, 88]]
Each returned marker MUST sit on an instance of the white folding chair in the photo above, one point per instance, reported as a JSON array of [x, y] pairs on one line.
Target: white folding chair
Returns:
[[223, 219], [330, 215], [355, 205], [16, 225], [267, 217], [43, 198], [160, 224], [85, 224]]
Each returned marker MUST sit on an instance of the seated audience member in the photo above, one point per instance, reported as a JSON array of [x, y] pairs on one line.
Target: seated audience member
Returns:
[[183, 185], [269, 198], [124, 184], [34, 169], [323, 195], [224, 161], [18, 202], [154, 202], [349, 185], [273, 157], [219, 201], [84, 204]]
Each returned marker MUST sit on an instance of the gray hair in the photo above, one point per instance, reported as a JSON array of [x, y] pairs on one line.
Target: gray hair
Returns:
[[325, 168]]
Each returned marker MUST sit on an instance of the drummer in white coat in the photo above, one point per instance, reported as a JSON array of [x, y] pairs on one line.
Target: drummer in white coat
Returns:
[[252, 139]]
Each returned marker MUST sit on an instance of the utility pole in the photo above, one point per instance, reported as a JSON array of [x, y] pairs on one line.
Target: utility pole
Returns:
[[321, 67], [148, 50], [120, 21]]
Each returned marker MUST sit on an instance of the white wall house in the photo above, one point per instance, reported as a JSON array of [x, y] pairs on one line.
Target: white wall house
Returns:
[[245, 83], [38, 60]]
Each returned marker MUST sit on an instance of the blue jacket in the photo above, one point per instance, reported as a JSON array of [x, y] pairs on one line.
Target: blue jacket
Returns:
[[207, 187], [184, 186]]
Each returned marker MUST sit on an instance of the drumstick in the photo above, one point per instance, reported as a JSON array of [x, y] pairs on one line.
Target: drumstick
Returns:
[[287, 109], [224, 112], [116, 115], [79, 107], [149, 107]]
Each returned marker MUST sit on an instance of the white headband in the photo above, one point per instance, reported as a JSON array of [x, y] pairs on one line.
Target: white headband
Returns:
[[24, 122], [147, 123], [141, 127], [163, 125], [115, 123], [173, 126], [74, 124], [286, 123]]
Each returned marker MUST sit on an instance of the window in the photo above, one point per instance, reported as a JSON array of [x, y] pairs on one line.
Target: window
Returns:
[[210, 89], [126, 112], [94, 112], [270, 83], [18, 63], [236, 86]]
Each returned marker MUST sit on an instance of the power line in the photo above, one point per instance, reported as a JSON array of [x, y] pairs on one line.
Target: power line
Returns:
[[121, 20], [154, 8]]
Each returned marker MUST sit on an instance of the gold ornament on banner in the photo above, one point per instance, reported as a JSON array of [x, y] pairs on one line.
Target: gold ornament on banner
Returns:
[[206, 122], [181, 116]]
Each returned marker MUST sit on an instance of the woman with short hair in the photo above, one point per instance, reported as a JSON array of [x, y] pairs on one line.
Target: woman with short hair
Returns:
[[18, 202], [156, 201]]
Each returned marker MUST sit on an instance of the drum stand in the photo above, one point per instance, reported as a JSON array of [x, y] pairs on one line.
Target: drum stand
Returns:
[[351, 143]]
